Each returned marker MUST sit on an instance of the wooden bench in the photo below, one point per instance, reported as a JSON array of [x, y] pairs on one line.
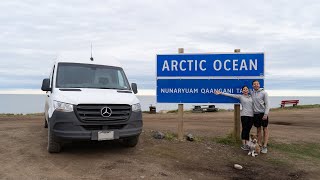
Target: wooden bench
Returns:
[[204, 108], [284, 102]]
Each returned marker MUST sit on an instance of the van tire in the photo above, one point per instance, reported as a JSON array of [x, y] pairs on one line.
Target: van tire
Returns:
[[53, 145], [130, 141]]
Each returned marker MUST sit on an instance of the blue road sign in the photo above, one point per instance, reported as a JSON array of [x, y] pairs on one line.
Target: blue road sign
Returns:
[[192, 78], [200, 90], [236, 64]]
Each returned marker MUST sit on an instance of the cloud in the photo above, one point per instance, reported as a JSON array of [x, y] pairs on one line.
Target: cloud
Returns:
[[34, 33]]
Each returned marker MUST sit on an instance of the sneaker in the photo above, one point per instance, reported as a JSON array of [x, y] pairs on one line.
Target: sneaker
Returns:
[[245, 147], [264, 150]]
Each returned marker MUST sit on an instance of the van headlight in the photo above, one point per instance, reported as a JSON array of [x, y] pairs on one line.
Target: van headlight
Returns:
[[136, 107], [61, 106]]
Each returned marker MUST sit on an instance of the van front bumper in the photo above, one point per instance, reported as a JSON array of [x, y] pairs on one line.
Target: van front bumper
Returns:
[[66, 126]]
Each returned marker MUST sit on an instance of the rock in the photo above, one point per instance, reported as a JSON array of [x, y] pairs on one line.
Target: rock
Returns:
[[158, 135], [237, 166], [190, 137]]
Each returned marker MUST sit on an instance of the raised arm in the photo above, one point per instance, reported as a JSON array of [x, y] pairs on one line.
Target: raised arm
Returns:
[[217, 92]]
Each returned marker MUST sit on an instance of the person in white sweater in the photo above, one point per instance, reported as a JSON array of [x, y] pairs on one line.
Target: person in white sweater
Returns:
[[246, 113]]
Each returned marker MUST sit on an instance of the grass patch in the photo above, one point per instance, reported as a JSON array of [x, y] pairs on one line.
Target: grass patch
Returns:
[[20, 114], [228, 140], [10, 114], [176, 111], [170, 136], [198, 139], [277, 162], [225, 110], [173, 111], [288, 107], [301, 151], [35, 114]]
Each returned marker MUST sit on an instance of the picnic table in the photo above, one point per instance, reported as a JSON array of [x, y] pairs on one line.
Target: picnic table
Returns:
[[293, 102], [204, 108]]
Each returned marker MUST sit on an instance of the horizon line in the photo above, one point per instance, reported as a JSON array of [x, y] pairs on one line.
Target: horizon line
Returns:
[[152, 92]]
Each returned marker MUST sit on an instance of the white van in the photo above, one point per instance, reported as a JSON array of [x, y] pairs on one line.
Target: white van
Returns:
[[90, 100]]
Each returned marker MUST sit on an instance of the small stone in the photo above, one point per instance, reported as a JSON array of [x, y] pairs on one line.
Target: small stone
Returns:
[[158, 135], [237, 166], [190, 137]]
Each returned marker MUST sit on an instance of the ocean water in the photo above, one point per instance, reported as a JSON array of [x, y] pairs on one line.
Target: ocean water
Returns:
[[31, 103]]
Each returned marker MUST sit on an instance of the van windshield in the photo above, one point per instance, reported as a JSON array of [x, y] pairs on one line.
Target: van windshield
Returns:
[[75, 75]]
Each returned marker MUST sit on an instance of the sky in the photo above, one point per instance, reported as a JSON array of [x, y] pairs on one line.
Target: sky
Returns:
[[35, 33]]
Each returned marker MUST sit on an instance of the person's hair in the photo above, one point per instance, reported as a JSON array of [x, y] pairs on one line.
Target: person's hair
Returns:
[[254, 81], [244, 87]]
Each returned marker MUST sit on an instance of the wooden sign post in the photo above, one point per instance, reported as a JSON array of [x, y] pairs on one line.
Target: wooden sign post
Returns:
[[236, 118], [180, 112]]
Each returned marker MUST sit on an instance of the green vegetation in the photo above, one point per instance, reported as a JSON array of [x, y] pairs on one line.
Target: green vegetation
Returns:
[[277, 161], [198, 139], [173, 111], [190, 111], [35, 114], [288, 107], [228, 140], [176, 111], [20, 114], [301, 151], [170, 136], [10, 114]]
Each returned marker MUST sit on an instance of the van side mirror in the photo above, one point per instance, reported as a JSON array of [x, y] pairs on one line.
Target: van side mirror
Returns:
[[134, 88], [46, 85]]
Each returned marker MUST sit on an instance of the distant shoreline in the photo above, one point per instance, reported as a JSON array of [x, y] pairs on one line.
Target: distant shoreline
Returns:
[[192, 103], [152, 92], [310, 106]]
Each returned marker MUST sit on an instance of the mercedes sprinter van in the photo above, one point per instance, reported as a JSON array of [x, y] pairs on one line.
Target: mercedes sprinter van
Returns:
[[90, 100]]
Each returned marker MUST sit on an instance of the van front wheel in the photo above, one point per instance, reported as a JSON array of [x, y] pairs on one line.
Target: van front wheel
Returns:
[[130, 141], [53, 145]]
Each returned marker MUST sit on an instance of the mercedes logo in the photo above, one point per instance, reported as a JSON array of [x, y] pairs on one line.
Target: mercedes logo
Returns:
[[106, 112]]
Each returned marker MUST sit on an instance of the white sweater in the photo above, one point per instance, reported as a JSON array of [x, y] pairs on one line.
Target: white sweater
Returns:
[[246, 103]]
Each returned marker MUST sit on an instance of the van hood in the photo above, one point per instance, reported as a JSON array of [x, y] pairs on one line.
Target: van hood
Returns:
[[95, 96]]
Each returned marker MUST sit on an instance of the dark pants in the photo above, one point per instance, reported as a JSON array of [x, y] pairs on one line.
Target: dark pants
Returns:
[[258, 121], [247, 123]]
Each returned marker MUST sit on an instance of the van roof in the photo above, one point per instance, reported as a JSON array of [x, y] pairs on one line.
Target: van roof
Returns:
[[107, 61]]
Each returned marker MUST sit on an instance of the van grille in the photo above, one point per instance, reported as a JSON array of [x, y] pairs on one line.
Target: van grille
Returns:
[[92, 112]]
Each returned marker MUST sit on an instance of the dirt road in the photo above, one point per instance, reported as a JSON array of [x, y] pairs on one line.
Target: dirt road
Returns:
[[23, 153]]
